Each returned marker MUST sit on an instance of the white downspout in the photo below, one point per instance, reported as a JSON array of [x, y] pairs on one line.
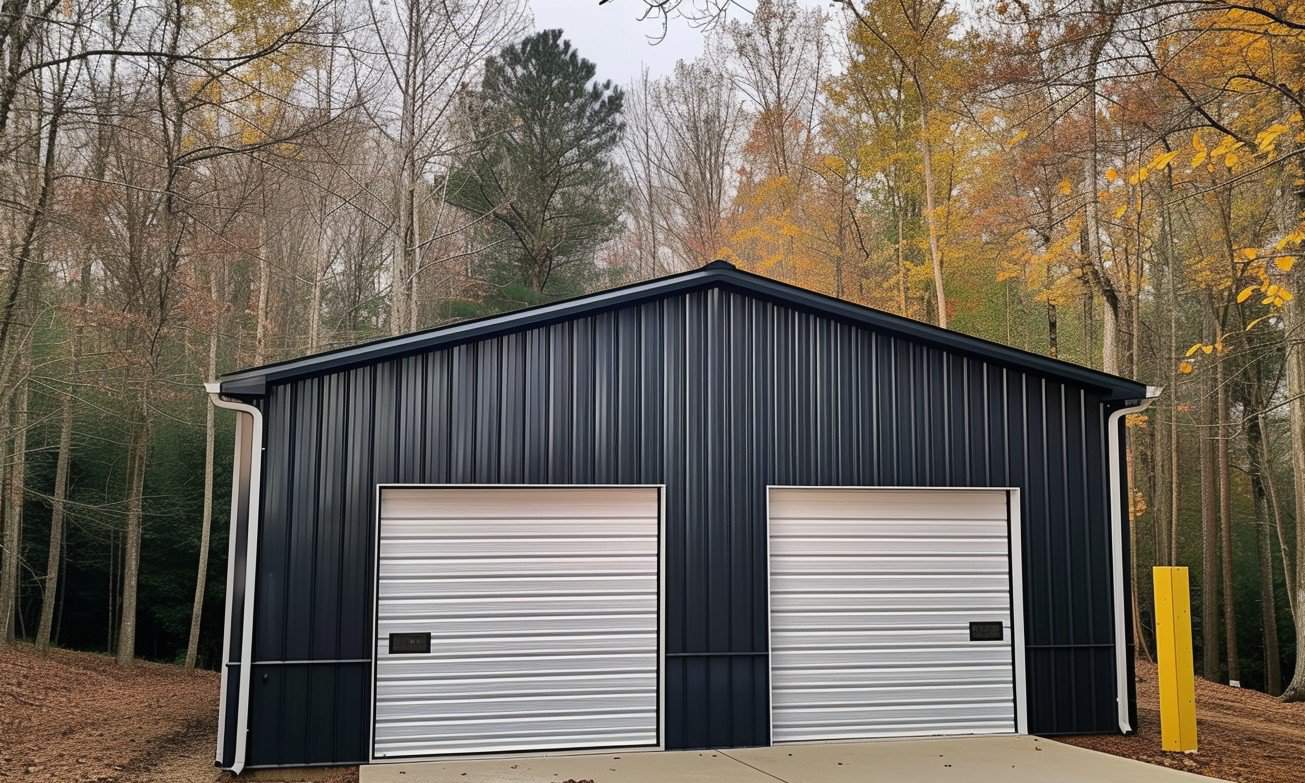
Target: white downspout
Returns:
[[236, 459], [251, 567], [1117, 553]]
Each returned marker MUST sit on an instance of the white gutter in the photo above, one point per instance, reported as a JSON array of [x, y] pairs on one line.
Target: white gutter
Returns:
[[1117, 552], [251, 571]]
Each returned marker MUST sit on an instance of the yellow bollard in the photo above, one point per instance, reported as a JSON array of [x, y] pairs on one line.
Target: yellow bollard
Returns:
[[1173, 641]]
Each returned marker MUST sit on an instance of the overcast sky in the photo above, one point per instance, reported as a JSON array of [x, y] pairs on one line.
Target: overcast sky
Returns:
[[613, 38]]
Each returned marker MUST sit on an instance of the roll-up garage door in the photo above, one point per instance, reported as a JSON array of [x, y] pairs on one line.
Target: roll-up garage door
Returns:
[[516, 619], [891, 613]]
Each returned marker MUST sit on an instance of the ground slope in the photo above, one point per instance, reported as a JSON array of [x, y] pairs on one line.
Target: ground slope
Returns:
[[78, 717], [1243, 735]]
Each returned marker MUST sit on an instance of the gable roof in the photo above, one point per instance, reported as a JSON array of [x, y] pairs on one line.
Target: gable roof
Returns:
[[253, 382]]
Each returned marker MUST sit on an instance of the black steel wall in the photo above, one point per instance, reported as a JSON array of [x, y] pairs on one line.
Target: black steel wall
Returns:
[[716, 394]]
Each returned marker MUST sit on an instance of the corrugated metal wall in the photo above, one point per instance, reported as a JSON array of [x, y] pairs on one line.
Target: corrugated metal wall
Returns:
[[716, 394]]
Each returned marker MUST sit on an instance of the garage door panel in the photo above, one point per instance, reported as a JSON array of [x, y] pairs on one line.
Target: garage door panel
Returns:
[[454, 665], [785, 582], [453, 628], [884, 546], [872, 596], [506, 503], [898, 729], [540, 741], [522, 586], [873, 600], [575, 728], [509, 684], [479, 608], [851, 503], [950, 650], [868, 621], [854, 526], [598, 547], [523, 527], [526, 704], [894, 726], [818, 675], [916, 694], [939, 565], [883, 714], [541, 605], [399, 566], [544, 644]]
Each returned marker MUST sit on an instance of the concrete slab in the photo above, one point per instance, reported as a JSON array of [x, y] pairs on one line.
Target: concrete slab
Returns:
[[943, 760], [689, 766], [953, 760]]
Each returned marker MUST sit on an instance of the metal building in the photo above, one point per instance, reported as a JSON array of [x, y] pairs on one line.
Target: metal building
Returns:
[[708, 510]]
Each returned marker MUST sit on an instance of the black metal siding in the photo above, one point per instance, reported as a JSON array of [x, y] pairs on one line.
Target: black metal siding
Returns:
[[716, 393]]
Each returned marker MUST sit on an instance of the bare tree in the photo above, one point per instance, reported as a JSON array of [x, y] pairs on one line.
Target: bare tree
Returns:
[[428, 51], [681, 135]]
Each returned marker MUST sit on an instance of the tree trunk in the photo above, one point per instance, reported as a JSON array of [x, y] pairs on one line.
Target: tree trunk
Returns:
[[137, 452], [1291, 201], [50, 586], [1293, 326], [404, 185], [414, 265], [935, 255], [264, 283], [1175, 485], [16, 491], [1225, 515], [1275, 511], [1053, 329], [901, 262], [1268, 608], [1209, 542], [9, 534], [206, 525], [54, 557], [110, 632], [1092, 227], [1160, 485], [315, 304]]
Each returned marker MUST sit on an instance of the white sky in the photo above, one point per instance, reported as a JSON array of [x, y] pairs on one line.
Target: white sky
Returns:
[[613, 38]]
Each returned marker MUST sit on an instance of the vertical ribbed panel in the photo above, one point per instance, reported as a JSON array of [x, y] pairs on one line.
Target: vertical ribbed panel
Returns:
[[716, 394]]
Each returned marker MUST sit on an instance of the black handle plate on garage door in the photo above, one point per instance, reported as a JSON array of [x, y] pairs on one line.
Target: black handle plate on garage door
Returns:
[[401, 643], [986, 631]]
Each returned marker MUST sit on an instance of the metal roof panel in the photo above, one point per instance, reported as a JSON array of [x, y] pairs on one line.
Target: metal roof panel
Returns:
[[253, 382]]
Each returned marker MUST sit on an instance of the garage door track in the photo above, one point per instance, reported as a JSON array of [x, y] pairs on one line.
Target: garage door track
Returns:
[[959, 760]]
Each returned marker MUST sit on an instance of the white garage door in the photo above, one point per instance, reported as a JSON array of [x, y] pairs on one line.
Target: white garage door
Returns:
[[873, 597], [513, 619]]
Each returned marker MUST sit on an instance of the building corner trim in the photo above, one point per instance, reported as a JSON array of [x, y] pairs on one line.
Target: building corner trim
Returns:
[[251, 571]]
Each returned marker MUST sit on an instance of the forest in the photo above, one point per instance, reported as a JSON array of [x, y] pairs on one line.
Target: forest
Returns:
[[189, 187]]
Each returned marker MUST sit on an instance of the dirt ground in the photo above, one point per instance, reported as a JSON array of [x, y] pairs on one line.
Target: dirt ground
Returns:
[[76, 717], [79, 718], [1242, 735]]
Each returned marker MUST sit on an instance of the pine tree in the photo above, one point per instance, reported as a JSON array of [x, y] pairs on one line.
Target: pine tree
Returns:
[[541, 169]]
